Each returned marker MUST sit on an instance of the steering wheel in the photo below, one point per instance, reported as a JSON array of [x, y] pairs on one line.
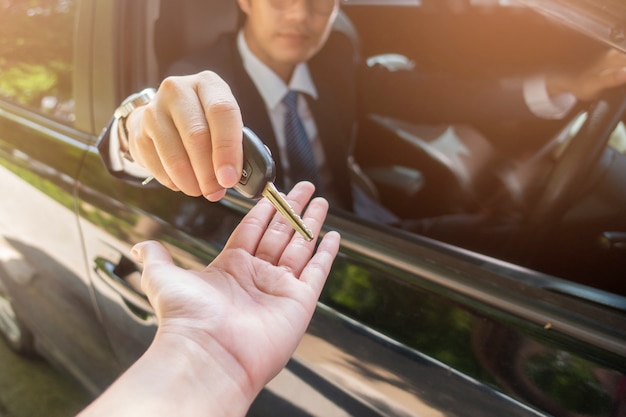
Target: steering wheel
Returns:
[[579, 159]]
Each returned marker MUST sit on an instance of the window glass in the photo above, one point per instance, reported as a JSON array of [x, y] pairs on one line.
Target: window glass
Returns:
[[483, 178], [36, 55]]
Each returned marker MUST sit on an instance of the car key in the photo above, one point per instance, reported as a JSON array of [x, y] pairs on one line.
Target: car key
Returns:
[[257, 180]]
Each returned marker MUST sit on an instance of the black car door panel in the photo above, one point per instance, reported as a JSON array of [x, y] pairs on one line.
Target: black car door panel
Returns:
[[39, 161], [401, 328]]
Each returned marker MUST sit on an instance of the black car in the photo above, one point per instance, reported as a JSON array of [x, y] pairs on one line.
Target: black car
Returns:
[[534, 325]]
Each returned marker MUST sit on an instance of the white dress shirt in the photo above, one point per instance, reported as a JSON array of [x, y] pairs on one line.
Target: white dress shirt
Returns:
[[273, 89]]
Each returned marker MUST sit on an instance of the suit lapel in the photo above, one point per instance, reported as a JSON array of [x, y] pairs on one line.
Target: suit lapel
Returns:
[[333, 112], [328, 120]]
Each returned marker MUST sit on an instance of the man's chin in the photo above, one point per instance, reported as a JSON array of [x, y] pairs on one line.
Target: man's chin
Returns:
[[294, 57], [295, 48]]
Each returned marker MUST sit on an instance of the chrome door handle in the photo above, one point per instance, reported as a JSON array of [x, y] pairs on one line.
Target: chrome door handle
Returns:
[[123, 278]]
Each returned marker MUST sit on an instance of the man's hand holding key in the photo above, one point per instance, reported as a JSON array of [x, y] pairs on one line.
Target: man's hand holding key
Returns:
[[189, 135]]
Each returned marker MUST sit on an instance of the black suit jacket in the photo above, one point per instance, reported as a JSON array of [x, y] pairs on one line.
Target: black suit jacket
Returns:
[[333, 73]]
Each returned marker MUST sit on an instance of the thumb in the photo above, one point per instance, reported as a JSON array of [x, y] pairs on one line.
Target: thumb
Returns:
[[150, 252], [154, 257]]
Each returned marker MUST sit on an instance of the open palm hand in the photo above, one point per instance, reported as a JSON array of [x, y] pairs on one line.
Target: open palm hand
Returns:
[[252, 304]]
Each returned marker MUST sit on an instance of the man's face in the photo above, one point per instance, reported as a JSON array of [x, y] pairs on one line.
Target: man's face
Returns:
[[283, 33]]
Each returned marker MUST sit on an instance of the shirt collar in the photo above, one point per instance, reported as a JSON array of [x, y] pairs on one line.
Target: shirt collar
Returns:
[[271, 86]]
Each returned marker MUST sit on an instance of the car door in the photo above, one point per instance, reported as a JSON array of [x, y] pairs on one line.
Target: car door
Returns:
[[405, 325], [45, 130]]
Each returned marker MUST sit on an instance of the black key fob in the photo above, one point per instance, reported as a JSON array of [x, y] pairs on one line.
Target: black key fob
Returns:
[[259, 167]]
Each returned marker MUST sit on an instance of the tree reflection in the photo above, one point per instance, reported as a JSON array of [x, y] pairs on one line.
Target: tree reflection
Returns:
[[470, 341], [570, 381], [418, 319], [36, 55]]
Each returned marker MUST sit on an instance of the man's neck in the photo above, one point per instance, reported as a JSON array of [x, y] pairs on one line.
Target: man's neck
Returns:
[[269, 84], [283, 70]]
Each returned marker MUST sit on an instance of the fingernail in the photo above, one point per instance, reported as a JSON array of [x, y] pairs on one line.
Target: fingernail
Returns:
[[216, 196], [227, 176]]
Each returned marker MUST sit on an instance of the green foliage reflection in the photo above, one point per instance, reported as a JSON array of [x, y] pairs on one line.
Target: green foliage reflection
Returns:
[[418, 319], [36, 50], [352, 288], [570, 381]]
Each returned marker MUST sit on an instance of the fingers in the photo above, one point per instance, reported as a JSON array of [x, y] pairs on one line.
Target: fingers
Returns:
[[189, 137], [271, 238], [275, 240], [210, 126], [317, 269], [252, 229], [298, 252], [159, 146], [141, 129], [224, 117], [280, 231]]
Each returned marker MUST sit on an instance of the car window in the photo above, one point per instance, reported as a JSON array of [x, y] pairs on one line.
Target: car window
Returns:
[[473, 179], [466, 178], [36, 55]]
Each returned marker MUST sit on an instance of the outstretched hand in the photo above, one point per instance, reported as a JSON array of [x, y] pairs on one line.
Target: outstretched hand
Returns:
[[225, 331], [256, 298]]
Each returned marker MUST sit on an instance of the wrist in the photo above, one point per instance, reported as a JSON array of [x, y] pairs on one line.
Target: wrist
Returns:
[[203, 373], [176, 377]]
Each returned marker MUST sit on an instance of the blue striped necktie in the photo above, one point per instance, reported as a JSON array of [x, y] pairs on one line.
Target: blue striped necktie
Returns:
[[299, 149]]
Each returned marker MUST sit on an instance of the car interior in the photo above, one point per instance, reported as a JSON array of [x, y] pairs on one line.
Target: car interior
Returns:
[[536, 201]]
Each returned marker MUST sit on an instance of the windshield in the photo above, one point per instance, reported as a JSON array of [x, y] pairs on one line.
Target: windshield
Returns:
[[604, 20]]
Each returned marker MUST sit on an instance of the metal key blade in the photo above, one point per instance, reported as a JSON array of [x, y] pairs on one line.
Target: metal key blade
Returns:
[[284, 208]]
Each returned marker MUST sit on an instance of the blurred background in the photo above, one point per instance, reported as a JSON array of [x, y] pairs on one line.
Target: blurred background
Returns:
[[30, 387]]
